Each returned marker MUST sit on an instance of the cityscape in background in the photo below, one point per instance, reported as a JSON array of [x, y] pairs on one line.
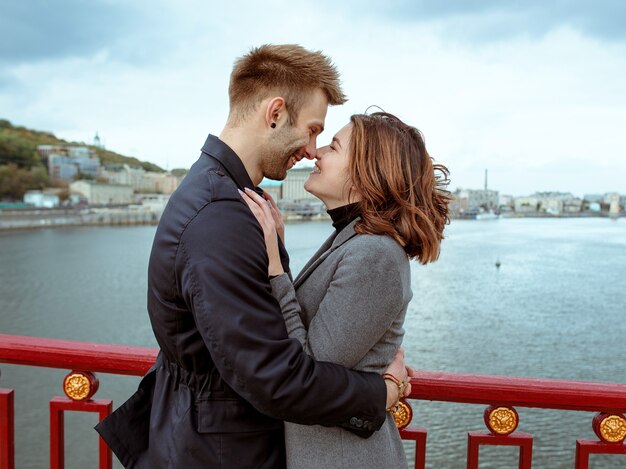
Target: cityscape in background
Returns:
[[296, 203], [87, 192]]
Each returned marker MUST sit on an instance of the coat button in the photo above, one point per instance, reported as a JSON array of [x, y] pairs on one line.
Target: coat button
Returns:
[[359, 423], [353, 421]]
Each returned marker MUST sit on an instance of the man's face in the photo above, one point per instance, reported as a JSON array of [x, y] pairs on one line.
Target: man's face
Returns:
[[289, 144]]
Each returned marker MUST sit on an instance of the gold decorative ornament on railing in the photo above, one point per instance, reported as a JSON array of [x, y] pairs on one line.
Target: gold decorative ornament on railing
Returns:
[[80, 385], [610, 428], [501, 420]]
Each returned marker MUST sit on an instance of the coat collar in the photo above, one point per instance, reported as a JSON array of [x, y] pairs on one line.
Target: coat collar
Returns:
[[332, 243], [215, 148]]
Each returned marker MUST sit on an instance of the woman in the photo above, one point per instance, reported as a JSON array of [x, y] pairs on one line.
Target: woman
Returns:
[[348, 304]]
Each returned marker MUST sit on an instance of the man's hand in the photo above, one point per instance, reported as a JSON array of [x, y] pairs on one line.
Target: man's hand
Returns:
[[397, 369]]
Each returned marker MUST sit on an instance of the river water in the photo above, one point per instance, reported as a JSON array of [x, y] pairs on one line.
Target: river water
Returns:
[[556, 308]]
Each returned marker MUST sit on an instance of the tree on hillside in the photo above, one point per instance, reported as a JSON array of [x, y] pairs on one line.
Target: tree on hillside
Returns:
[[18, 145], [179, 172], [15, 181]]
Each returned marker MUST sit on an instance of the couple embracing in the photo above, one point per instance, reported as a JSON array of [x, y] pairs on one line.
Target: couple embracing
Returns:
[[257, 369]]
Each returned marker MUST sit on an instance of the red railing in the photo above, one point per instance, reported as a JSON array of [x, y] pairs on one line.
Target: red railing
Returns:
[[500, 394]]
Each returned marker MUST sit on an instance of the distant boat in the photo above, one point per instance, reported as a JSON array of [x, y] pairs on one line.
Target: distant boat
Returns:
[[487, 216]]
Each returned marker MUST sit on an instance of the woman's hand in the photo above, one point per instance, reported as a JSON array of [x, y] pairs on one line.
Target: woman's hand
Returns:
[[262, 210], [278, 218]]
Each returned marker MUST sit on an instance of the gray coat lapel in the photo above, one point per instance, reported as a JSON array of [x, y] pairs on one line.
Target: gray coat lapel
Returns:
[[332, 243]]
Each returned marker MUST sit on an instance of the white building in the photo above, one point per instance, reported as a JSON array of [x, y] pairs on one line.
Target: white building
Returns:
[[614, 206], [293, 185], [474, 199], [163, 183], [140, 179], [526, 204], [558, 202], [41, 199], [125, 175], [103, 194]]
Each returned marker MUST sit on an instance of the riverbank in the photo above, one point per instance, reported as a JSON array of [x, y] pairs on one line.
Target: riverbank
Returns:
[[101, 216], [33, 218]]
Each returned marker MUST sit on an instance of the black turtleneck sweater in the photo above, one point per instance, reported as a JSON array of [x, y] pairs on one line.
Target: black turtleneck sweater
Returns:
[[344, 215]]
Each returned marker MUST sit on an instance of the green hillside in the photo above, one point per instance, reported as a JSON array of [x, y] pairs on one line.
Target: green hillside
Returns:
[[18, 145]]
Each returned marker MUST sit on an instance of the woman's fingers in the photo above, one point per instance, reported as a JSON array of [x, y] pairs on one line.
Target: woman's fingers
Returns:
[[251, 203], [271, 200], [256, 211], [261, 202]]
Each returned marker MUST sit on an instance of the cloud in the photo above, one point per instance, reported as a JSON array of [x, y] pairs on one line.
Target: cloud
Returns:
[[530, 105], [487, 20], [34, 30]]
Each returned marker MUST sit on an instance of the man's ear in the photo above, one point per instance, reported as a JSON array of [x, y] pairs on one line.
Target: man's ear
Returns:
[[275, 111]]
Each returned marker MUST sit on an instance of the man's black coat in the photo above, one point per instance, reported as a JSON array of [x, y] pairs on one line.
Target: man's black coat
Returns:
[[227, 374]]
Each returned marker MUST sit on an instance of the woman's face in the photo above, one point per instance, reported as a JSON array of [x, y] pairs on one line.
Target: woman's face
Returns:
[[330, 179]]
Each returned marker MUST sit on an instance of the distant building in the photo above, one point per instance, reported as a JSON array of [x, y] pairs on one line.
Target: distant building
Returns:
[[164, 183], [41, 199], [609, 197], [526, 204], [97, 142], [61, 168], [155, 202], [595, 207], [475, 199], [47, 150], [103, 194], [126, 175], [506, 203], [65, 162], [140, 179], [599, 198], [293, 185], [614, 206], [573, 205], [273, 188], [556, 203]]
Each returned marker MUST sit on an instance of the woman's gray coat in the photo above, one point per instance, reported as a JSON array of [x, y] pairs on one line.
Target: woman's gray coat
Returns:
[[347, 306]]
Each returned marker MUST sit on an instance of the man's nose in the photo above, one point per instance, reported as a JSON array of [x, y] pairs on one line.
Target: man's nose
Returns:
[[311, 152]]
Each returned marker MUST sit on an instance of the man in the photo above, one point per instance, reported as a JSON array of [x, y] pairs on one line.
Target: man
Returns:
[[227, 374]]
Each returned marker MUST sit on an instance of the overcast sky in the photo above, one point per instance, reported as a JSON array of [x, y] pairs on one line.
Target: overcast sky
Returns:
[[535, 91]]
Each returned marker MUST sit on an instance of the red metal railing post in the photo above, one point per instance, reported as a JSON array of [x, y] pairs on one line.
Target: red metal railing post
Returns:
[[105, 454], [584, 448], [57, 436], [419, 436], [501, 393], [58, 405], [7, 429], [524, 441]]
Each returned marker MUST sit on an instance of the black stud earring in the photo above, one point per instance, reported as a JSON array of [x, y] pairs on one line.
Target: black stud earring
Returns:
[[273, 125]]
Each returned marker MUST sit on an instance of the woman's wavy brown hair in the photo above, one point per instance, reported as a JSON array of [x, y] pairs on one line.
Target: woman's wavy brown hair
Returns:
[[403, 192]]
